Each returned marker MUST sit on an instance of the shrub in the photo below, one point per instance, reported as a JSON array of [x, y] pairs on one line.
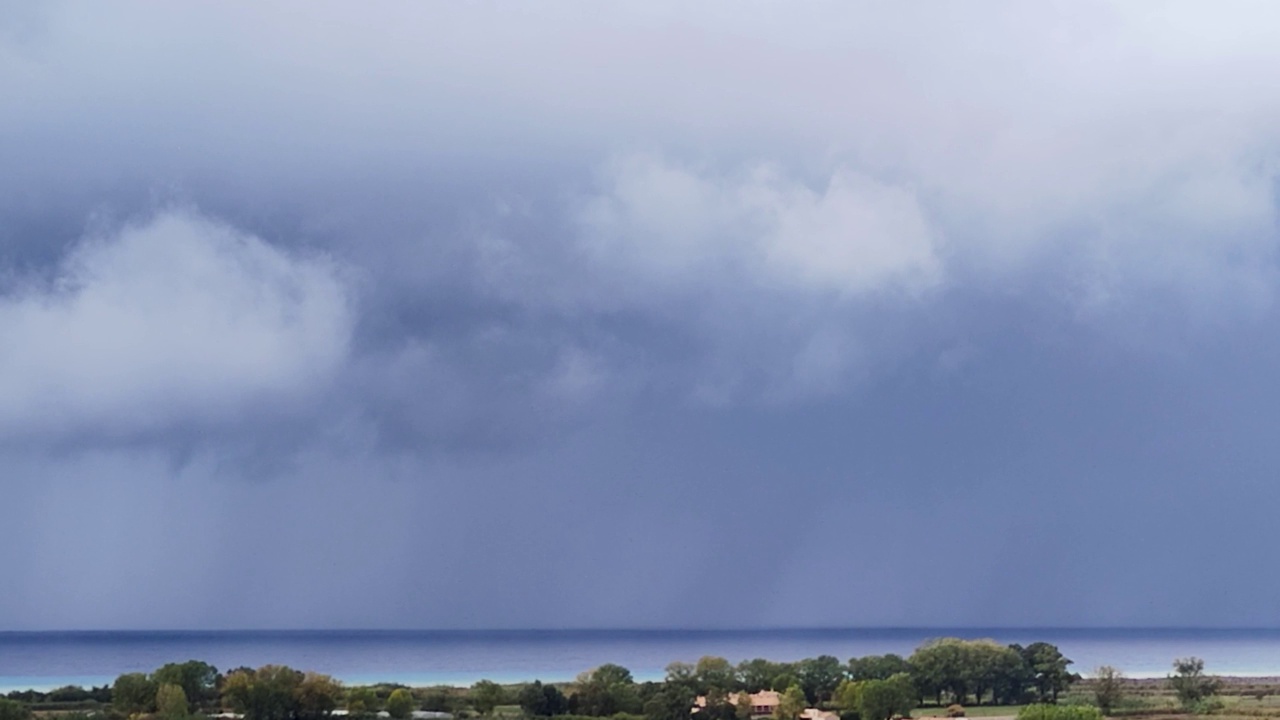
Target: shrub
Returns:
[[13, 710], [400, 704], [1059, 712], [955, 710]]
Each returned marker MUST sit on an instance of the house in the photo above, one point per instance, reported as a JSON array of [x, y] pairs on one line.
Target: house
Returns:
[[763, 703]]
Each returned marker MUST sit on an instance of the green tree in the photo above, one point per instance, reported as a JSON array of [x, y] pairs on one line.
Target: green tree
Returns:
[[683, 674], [877, 667], [198, 680], [317, 696], [885, 699], [268, 693], [1108, 688], [171, 702], [791, 704], [1049, 670], [942, 666], [742, 706], [672, 702], [400, 704], [133, 693], [758, 674], [1190, 683], [607, 690], [13, 710], [848, 696], [714, 672], [362, 703], [538, 700], [819, 677], [487, 695]]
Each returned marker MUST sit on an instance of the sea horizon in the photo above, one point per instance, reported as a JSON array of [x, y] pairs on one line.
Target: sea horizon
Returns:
[[46, 659]]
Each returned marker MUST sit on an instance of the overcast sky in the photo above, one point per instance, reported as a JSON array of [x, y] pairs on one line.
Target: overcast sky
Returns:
[[727, 314]]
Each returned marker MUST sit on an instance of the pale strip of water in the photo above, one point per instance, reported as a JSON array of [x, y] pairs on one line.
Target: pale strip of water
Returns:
[[46, 660]]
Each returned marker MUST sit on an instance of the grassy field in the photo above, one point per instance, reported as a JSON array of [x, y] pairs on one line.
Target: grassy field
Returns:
[[979, 711]]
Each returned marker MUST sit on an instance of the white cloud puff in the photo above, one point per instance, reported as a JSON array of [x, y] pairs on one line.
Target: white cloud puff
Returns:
[[177, 319], [671, 225]]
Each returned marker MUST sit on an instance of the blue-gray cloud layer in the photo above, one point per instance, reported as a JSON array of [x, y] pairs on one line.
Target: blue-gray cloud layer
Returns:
[[483, 315]]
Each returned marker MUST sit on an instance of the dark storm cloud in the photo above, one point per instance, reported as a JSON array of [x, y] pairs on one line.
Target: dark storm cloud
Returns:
[[879, 314]]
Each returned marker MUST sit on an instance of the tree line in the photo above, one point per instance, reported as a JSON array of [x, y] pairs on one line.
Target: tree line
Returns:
[[942, 672]]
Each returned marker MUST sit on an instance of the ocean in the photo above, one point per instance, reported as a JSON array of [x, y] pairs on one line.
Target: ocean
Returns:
[[51, 659]]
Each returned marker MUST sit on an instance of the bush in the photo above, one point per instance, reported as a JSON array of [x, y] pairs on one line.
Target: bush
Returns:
[[13, 710], [955, 710], [1207, 706], [1059, 712]]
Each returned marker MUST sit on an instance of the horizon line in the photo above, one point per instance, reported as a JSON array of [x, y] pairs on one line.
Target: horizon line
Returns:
[[644, 630]]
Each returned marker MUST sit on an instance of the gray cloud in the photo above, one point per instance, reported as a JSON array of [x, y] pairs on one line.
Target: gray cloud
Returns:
[[641, 301]]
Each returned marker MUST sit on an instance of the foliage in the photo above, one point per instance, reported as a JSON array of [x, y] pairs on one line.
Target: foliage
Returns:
[[714, 672], [1190, 683], [819, 677], [362, 702], [672, 702], [171, 701], [1049, 670], [791, 704], [1108, 688], [14, 710], [1043, 711], [133, 693], [742, 707], [885, 699], [317, 696], [540, 700], [486, 695], [877, 667], [268, 693], [400, 704], [198, 680], [607, 690], [848, 695], [759, 674]]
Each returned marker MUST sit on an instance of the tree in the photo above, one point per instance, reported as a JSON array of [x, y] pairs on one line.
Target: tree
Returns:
[[791, 704], [683, 674], [607, 690], [1190, 683], [942, 666], [13, 710], [317, 696], [1049, 670], [400, 704], [487, 695], [714, 672], [171, 702], [758, 674], [133, 693], [848, 696], [877, 667], [819, 677], [1108, 688], [991, 667], [885, 699], [268, 693], [672, 702], [362, 702], [538, 700], [742, 706], [198, 680]]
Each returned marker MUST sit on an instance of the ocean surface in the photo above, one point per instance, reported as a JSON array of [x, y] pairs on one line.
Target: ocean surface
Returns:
[[47, 660]]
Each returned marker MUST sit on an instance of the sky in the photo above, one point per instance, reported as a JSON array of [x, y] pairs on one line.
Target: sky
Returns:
[[638, 314]]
